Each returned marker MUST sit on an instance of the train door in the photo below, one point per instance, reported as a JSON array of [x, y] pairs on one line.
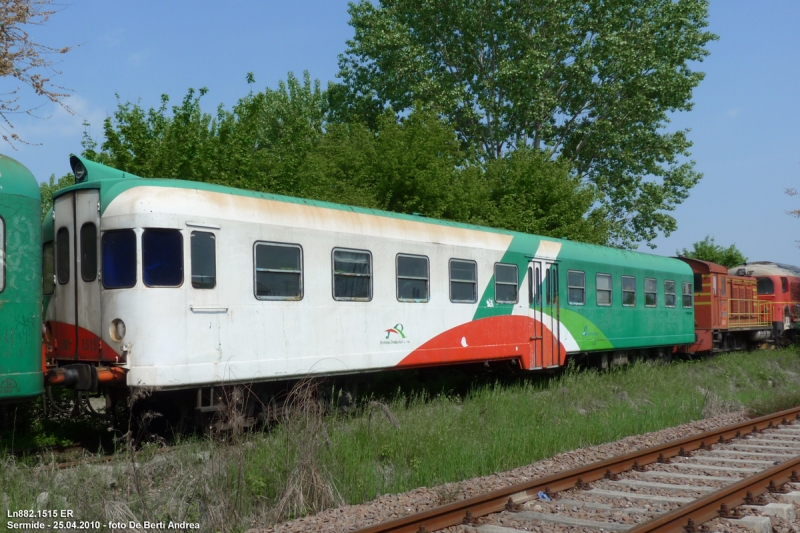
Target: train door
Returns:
[[205, 315], [87, 282], [65, 324], [78, 313], [543, 298]]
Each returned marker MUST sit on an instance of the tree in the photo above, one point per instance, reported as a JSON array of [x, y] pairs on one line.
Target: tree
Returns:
[[531, 194], [26, 60], [707, 250], [590, 82], [48, 189], [259, 144], [282, 141]]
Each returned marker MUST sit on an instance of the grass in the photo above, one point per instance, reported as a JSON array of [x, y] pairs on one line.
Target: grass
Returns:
[[398, 441]]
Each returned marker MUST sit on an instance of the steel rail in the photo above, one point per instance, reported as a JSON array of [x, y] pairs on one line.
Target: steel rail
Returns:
[[464, 511], [717, 503]]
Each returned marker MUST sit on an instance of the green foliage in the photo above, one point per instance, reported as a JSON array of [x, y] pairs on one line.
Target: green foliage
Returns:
[[282, 141], [532, 194], [258, 145], [591, 83], [411, 165], [708, 250], [48, 188]]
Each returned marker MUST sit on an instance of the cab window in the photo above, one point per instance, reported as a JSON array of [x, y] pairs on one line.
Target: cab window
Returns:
[[162, 257], [118, 248], [698, 282], [765, 286]]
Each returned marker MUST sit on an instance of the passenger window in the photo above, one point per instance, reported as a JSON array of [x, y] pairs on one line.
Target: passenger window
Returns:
[[352, 275], [279, 271], [119, 258], [463, 281], [603, 289], [204, 260], [88, 252], [506, 283], [669, 293], [412, 278], [48, 269], [162, 257], [62, 255], [576, 283], [628, 291], [687, 294], [2, 254], [650, 292]]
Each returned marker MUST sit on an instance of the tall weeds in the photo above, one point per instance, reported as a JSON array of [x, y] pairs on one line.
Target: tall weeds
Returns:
[[309, 486]]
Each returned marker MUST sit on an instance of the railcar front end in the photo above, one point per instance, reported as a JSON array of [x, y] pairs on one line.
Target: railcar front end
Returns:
[[20, 283]]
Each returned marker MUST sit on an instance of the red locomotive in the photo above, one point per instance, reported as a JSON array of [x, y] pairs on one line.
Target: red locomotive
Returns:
[[779, 285]]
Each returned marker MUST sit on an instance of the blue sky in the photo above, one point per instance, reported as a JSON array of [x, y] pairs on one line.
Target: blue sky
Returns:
[[745, 124]]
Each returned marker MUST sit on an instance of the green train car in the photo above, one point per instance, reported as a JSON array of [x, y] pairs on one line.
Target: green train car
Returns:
[[21, 372]]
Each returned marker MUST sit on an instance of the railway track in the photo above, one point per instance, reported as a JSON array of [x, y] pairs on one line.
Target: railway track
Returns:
[[676, 486]]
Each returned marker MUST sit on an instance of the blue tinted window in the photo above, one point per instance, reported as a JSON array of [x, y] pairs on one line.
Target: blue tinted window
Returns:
[[119, 259], [162, 257]]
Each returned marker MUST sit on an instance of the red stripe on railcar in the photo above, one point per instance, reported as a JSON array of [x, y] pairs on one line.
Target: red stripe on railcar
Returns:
[[492, 338]]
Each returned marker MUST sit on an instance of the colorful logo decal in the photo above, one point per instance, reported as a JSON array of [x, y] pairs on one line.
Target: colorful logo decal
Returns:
[[398, 328], [395, 335]]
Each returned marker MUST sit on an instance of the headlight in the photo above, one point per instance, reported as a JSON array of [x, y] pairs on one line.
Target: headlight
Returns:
[[117, 330]]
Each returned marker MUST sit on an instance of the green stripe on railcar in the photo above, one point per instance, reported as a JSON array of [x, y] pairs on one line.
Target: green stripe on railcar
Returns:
[[593, 322], [20, 283]]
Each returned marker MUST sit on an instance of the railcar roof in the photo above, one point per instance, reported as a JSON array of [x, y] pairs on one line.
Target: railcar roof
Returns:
[[112, 183], [704, 267], [17, 179], [768, 268]]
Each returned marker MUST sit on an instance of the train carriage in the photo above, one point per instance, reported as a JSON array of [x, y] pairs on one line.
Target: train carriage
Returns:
[[176, 285], [20, 283], [728, 312]]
